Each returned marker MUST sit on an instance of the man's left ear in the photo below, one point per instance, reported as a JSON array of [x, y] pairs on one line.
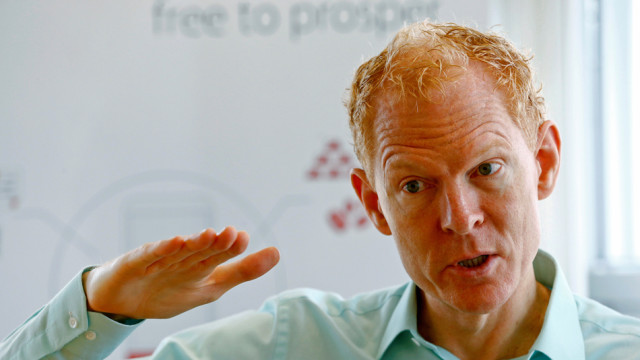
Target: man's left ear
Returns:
[[547, 158]]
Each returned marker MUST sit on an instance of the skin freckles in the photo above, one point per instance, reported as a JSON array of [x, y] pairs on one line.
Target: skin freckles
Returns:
[[451, 182], [460, 212]]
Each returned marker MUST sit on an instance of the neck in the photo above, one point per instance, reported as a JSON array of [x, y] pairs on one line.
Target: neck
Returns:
[[506, 332]]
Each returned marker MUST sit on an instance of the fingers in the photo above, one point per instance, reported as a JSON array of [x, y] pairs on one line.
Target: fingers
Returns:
[[165, 278], [249, 268], [202, 246], [229, 248], [203, 251], [257, 264], [150, 253], [197, 242]]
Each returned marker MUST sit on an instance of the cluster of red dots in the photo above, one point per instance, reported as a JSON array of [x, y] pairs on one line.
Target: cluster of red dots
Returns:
[[350, 215], [333, 163]]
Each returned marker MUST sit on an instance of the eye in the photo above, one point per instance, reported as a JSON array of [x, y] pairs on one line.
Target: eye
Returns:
[[413, 186], [488, 168]]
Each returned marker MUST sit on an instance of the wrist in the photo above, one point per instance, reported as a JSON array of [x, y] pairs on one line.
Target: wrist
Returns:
[[85, 277], [122, 319], [115, 317]]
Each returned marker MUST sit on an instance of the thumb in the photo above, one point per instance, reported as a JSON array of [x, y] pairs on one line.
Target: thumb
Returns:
[[249, 268]]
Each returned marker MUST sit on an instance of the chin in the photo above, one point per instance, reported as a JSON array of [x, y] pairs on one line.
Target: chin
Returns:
[[479, 301]]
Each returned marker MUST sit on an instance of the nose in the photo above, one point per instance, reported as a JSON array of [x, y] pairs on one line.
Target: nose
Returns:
[[459, 209]]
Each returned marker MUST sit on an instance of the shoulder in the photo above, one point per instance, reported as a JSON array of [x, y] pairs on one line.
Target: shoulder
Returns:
[[305, 318], [338, 328], [606, 332], [333, 304], [246, 335]]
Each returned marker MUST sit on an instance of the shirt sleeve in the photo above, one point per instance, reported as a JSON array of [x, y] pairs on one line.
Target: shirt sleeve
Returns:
[[64, 329]]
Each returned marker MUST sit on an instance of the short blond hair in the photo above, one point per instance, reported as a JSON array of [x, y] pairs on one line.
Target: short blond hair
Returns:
[[425, 55]]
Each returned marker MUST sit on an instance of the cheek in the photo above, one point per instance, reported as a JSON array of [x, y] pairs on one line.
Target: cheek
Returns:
[[411, 234], [410, 221], [406, 210], [402, 222], [517, 218], [396, 215], [415, 256], [519, 192]]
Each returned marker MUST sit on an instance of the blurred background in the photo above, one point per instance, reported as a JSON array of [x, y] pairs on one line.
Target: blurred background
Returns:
[[123, 122]]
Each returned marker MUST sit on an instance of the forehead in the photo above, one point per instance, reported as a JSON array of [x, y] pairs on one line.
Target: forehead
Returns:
[[470, 112], [470, 88]]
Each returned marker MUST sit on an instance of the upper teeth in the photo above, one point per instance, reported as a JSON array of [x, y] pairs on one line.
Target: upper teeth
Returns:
[[473, 262]]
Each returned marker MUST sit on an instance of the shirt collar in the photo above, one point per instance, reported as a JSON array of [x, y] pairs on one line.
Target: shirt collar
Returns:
[[404, 317], [560, 337]]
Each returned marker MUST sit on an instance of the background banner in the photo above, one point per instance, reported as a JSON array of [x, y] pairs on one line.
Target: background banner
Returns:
[[123, 122]]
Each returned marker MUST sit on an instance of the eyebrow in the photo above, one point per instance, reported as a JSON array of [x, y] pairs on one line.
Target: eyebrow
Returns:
[[479, 153]]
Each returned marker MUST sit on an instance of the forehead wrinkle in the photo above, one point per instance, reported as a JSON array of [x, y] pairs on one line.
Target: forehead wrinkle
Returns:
[[394, 150], [430, 150], [470, 135], [431, 127], [415, 137], [419, 137], [410, 133], [452, 117]]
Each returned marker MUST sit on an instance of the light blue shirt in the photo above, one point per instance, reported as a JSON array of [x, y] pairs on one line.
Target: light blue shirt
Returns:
[[310, 324]]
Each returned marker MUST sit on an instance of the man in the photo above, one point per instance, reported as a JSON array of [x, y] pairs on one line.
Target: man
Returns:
[[450, 130]]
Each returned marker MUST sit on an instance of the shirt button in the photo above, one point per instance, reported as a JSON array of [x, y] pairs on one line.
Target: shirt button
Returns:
[[73, 322], [90, 335]]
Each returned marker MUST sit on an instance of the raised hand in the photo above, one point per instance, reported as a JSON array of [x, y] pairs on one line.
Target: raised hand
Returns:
[[166, 278]]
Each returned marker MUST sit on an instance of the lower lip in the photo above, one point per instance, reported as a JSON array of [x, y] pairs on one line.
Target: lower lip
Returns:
[[475, 271]]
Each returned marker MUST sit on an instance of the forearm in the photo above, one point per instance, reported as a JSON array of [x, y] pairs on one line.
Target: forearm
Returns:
[[64, 329]]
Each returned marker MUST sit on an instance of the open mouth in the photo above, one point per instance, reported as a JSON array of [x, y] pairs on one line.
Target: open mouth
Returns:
[[477, 261]]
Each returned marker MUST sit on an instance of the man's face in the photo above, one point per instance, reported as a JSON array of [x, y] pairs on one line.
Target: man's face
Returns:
[[457, 186]]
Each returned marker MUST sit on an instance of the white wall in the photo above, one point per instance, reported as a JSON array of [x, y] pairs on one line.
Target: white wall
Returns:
[[124, 122]]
